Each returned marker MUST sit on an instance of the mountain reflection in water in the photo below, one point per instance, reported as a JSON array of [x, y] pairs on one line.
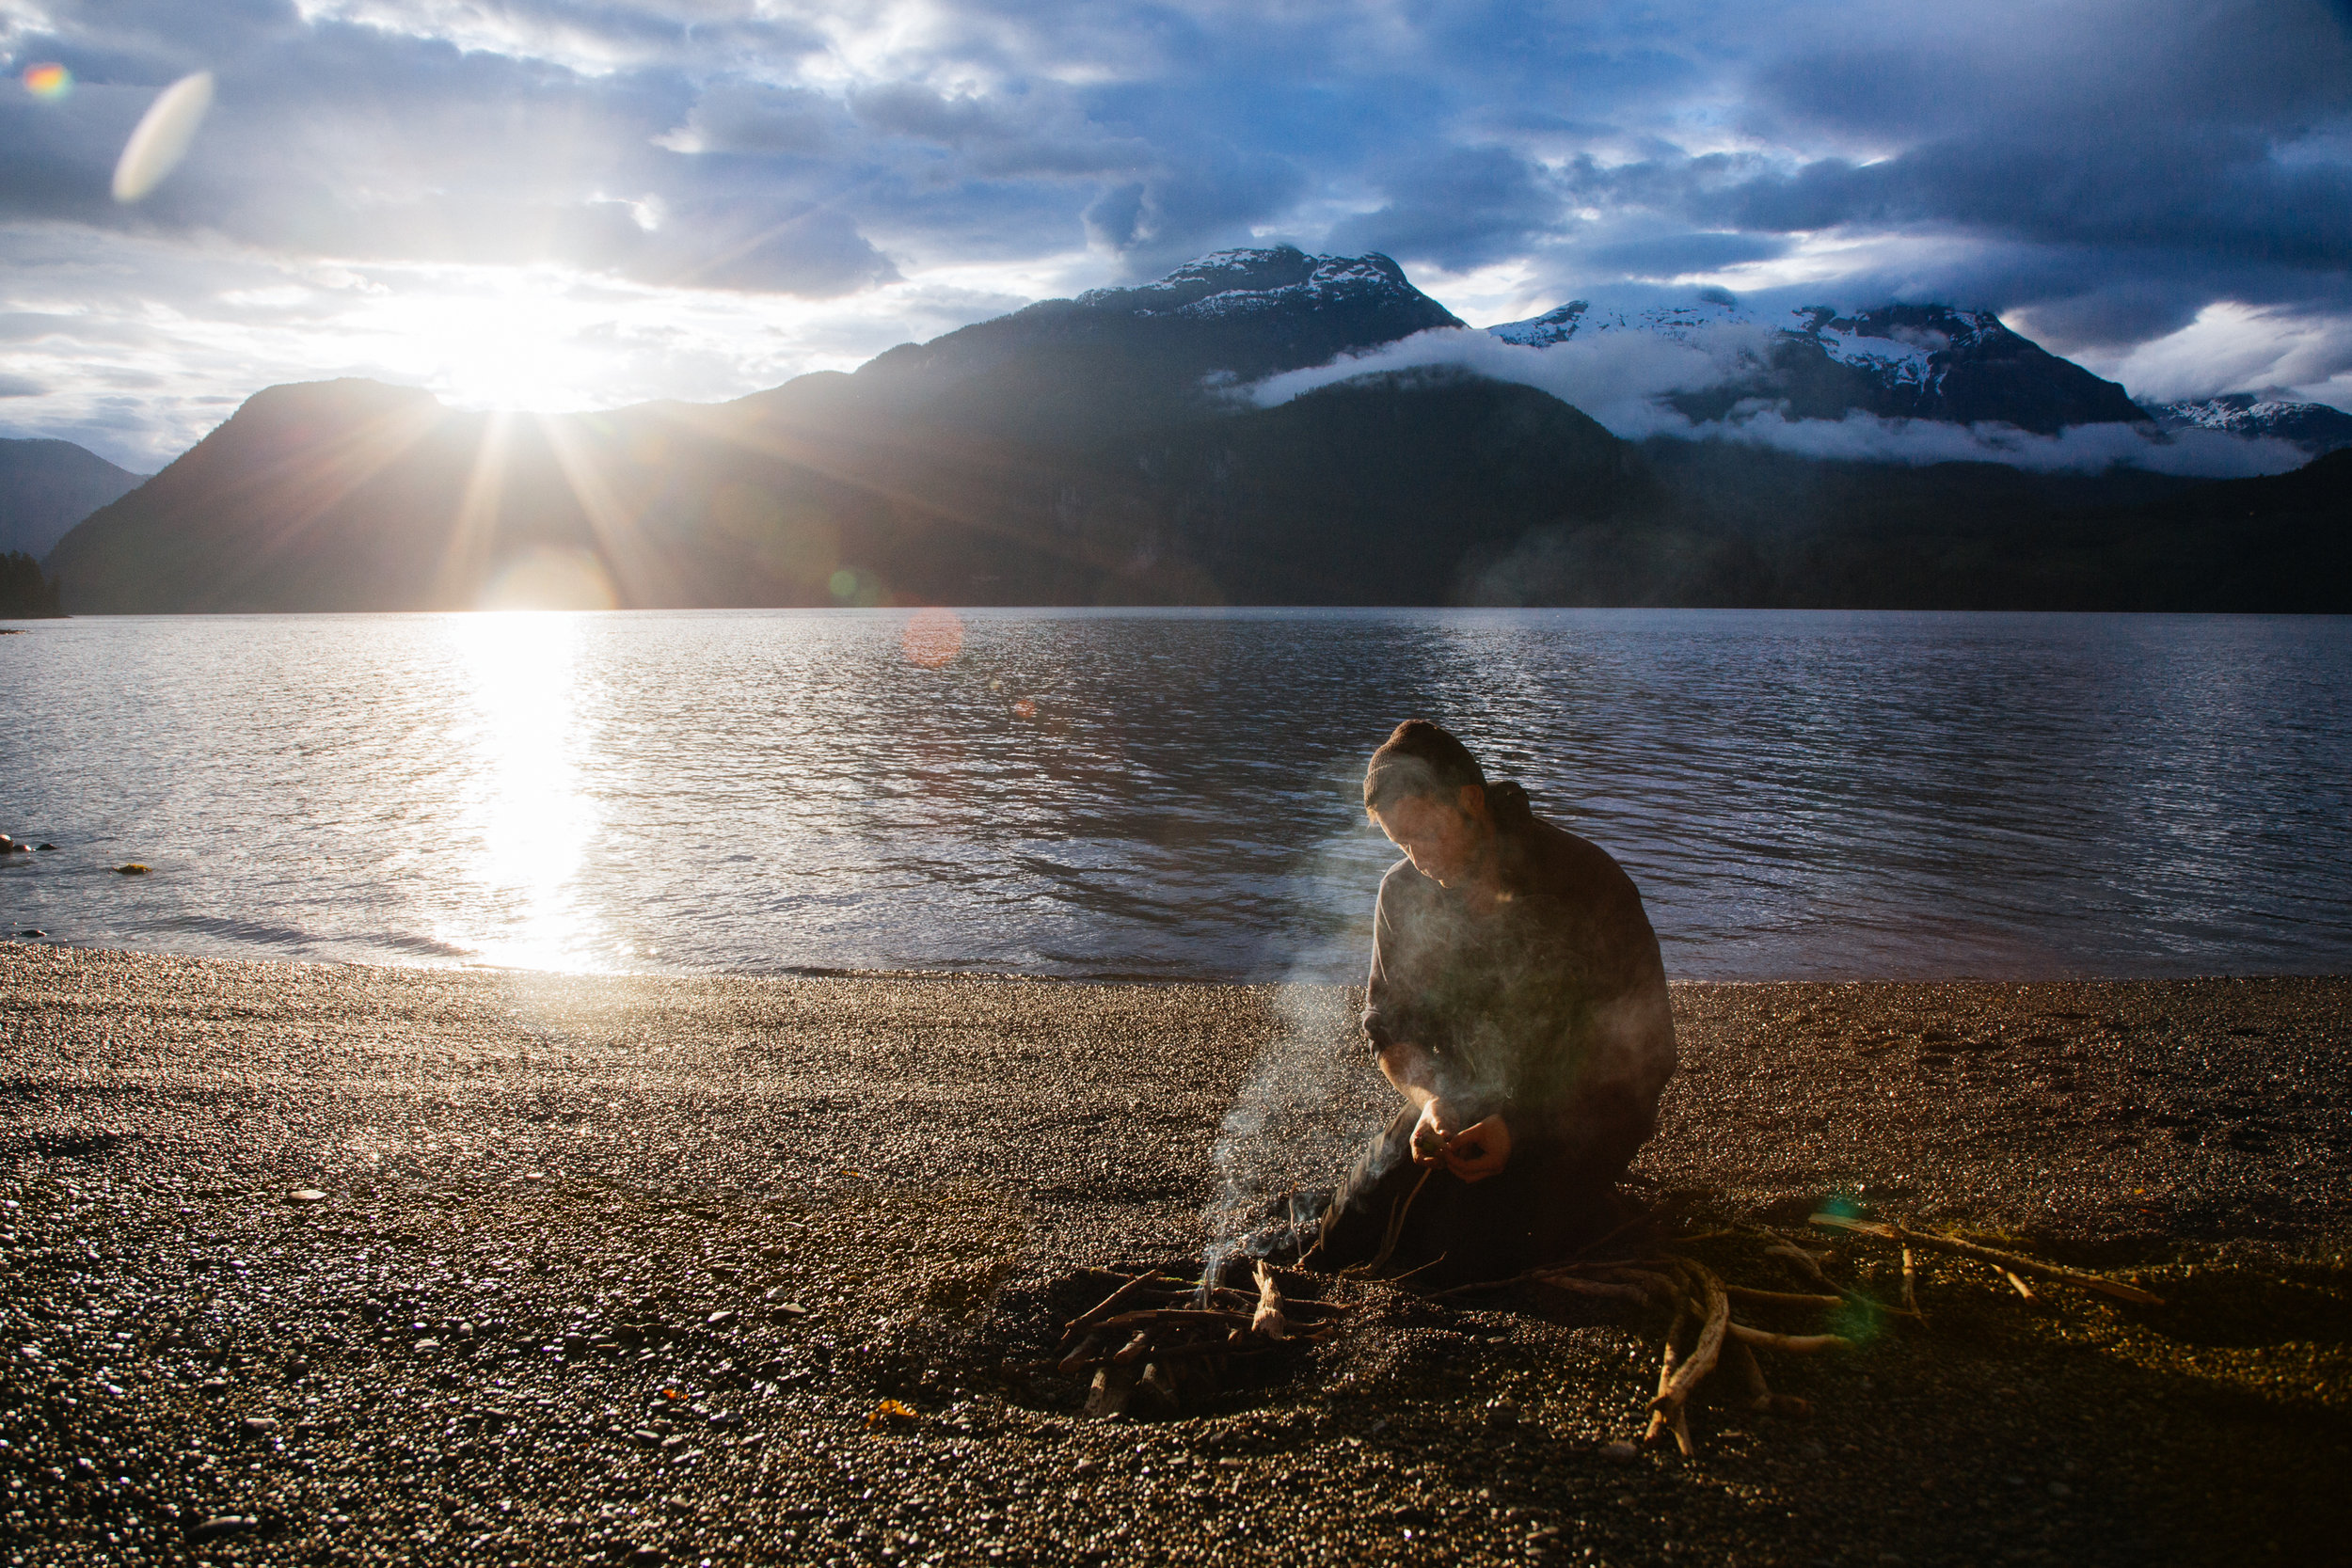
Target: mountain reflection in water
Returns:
[[1174, 794]]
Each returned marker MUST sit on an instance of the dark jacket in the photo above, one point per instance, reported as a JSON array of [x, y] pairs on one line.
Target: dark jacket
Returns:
[[1552, 1008]]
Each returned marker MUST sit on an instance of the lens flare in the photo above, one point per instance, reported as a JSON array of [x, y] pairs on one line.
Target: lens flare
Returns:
[[163, 135], [48, 80], [932, 638]]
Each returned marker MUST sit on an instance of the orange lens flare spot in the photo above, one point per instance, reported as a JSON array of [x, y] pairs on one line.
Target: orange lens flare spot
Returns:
[[1024, 709], [48, 80], [932, 638]]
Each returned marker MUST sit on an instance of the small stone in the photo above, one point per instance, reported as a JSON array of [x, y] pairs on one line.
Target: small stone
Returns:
[[261, 1426], [45, 847], [1620, 1452], [131, 869], [29, 933], [719, 1319], [793, 1309], [648, 1555], [222, 1524], [423, 1346], [307, 1195]]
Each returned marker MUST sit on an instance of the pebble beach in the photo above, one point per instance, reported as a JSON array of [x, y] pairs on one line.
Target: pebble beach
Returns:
[[331, 1264]]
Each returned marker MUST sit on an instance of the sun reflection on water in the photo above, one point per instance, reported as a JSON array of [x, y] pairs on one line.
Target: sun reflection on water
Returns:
[[524, 817]]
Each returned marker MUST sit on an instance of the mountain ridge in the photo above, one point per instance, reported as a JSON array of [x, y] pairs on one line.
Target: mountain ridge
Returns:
[[2318, 428], [48, 486], [1099, 451]]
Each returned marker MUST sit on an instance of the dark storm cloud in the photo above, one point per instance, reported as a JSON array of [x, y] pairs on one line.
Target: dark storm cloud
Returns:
[[1461, 207], [2169, 156], [1679, 255]]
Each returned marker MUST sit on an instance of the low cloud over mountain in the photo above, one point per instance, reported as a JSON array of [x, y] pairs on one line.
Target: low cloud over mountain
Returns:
[[1904, 383]]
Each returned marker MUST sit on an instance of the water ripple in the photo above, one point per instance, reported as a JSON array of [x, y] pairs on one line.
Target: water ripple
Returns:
[[1175, 794]]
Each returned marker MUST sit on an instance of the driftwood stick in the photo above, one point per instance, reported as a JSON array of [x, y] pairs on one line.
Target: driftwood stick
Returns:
[[1803, 1344], [2014, 1262], [1108, 1305], [2022, 1288], [1396, 1227], [1156, 1379], [1810, 1266], [1603, 1289], [1189, 1349], [1717, 1310], [1911, 1284], [1658, 1419], [1781, 1298], [1656, 1286], [1133, 1350], [1476, 1286], [1154, 1317], [1751, 1373], [1805, 1258], [1266, 1321], [1107, 1398], [1087, 1349], [1761, 1396]]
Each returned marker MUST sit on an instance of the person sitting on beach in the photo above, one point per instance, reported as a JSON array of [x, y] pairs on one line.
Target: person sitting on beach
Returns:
[[1518, 1004]]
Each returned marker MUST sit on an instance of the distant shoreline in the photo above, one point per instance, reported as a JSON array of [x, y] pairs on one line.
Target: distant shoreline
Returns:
[[1116, 977]]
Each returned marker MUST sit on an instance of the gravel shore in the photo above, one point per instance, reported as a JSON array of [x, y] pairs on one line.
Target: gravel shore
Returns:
[[341, 1265]]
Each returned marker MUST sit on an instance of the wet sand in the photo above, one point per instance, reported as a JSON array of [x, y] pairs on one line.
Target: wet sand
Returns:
[[619, 1270]]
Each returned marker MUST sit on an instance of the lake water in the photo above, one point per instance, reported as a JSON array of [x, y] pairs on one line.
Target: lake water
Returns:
[[1140, 793]]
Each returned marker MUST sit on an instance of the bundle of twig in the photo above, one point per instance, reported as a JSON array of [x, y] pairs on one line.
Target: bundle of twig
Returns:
[[1694, 1295], [1176, 1338], [2012, 1266]]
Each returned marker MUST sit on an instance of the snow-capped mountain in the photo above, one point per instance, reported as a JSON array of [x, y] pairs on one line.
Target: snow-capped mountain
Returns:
[[2315, 427], [1227, 283], [1232, 315], [1898, 361]]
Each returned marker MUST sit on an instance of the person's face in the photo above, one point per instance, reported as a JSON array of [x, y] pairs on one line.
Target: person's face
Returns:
[[1446, 841]]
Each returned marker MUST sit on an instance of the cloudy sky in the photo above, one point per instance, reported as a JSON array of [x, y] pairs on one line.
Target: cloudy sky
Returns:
[[580, 203]]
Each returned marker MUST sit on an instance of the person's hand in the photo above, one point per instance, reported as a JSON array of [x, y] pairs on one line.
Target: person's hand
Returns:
[[1473, 1153], [1432, 1133], [1479, 1151]]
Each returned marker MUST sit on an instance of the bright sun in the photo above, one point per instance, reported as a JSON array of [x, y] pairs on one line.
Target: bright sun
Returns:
[[509, 340]]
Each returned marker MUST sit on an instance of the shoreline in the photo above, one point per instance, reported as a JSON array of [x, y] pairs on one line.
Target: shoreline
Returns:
[[618, 1187], [829, 972]]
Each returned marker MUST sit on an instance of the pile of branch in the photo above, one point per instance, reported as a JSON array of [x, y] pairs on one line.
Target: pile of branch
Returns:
[[1702, 1336], [1699, 1304], [1174, 1341]]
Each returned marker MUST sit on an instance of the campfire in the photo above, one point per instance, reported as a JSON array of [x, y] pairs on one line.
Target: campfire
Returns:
[[1163, 1344]]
